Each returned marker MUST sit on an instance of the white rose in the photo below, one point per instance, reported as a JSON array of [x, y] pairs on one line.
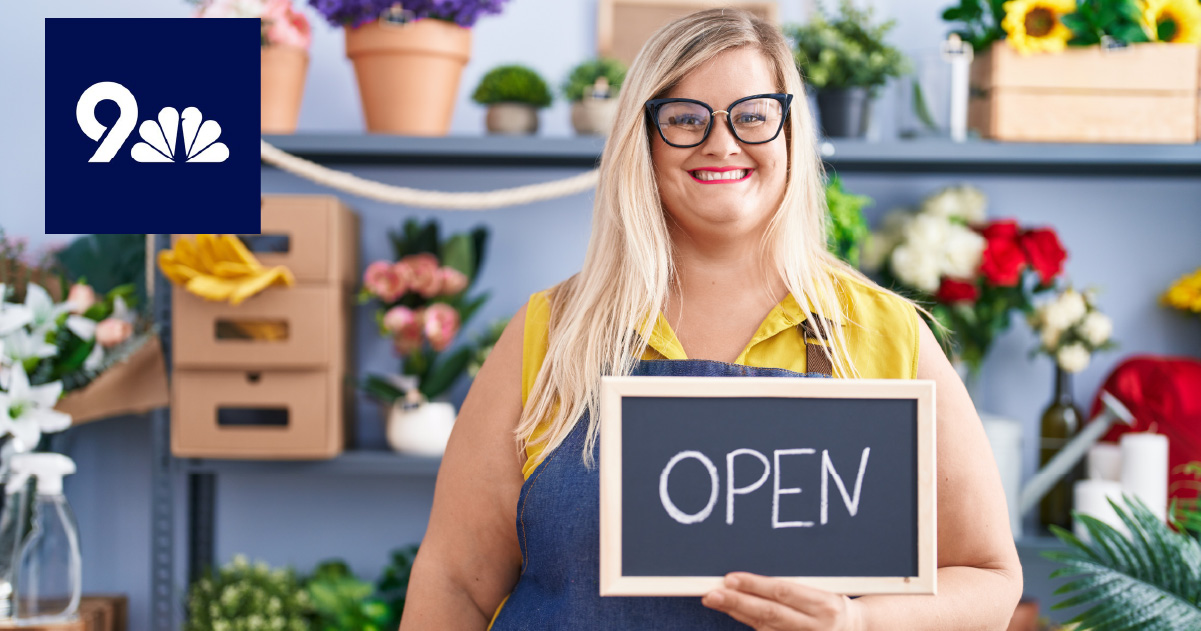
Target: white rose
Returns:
[[1096, 328], [916, 267], [964, 202], [1073, 357], [963, 250], [1050, 337], [928, 232], [1065, 311]]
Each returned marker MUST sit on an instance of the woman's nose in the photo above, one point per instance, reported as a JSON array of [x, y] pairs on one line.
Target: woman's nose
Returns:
[[721, 141]]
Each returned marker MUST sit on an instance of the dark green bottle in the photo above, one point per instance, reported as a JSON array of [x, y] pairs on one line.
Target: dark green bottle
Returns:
[[1061, 420]]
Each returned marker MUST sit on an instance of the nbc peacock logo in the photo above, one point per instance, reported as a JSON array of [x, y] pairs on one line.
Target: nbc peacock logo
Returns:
[[160, 137]]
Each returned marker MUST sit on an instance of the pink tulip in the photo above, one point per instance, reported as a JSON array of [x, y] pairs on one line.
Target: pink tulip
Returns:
[[385, 280], [287, 27], [112, 331], [426, 276], [441, 325], [407, 339], [399, 318], [81, 298], [453, 281]]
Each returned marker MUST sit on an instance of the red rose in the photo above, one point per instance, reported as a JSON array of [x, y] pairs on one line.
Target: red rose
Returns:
[[1045, 252], [1002, 263], [1001, 229], [952, 291]]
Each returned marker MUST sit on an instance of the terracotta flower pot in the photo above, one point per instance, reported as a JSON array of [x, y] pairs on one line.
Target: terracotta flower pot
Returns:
[[281, 87], [511, 118], [409, 74], [593, 117]]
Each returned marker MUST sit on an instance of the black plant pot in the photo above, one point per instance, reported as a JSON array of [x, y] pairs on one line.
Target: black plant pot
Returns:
[[844, 111]]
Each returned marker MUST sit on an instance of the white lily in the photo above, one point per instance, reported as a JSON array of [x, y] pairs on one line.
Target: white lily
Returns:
[[45, 313], [82, 327], [22, 345], [12, 316], [28, 411], [95, 358]]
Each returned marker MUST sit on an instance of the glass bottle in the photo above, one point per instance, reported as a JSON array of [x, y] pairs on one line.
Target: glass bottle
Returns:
[[1060, 422]]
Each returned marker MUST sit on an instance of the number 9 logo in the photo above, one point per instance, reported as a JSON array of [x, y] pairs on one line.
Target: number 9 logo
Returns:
[[199, 135]]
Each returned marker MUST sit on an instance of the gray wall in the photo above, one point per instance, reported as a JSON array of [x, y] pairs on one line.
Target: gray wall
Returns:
[[1128, 236]]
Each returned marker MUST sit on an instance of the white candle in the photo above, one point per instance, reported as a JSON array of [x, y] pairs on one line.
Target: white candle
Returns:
[[1145, 470], [1089, 498], [1105, 462]]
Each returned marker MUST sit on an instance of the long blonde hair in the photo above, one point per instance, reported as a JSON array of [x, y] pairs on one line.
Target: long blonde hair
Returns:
[[601, 317]]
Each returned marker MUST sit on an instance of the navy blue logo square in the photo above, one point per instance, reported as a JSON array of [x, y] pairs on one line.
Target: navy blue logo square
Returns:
[[152, 126]]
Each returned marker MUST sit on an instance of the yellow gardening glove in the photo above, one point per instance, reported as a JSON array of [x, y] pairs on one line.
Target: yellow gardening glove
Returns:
[[219, 267]]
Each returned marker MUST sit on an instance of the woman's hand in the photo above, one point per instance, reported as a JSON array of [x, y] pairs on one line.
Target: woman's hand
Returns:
[[780, 605]]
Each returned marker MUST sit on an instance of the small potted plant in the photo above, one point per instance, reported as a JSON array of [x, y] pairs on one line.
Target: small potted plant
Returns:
[[421, 305], [592, 89], [513, 94], [408, 57], [844, 57], [284, 57]]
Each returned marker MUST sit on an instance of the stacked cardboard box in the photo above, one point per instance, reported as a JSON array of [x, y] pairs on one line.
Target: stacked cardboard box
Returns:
[[267, 379]]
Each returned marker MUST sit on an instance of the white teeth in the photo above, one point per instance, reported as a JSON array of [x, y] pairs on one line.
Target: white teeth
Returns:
[[720, 175]]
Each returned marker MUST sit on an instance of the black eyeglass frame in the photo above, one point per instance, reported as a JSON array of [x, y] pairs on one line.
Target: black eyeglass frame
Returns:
[[653, 105]]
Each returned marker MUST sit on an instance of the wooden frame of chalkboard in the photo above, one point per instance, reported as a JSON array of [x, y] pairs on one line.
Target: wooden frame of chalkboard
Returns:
[[744, 394]]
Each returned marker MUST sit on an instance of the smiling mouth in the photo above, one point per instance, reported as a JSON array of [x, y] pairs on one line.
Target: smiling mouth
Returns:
[[720, 177]]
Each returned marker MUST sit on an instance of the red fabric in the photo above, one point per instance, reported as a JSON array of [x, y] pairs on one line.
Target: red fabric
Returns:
[[1164, 395]]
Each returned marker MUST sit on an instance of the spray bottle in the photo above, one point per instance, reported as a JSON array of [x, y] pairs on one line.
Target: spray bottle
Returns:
[[47, 562]]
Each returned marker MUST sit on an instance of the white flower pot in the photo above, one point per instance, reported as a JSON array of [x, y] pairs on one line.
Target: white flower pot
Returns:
[[421, 430], [512, 118], [593, 117]]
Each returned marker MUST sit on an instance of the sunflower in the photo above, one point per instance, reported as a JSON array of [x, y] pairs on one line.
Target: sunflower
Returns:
[[1175, 21], [1034, 25]]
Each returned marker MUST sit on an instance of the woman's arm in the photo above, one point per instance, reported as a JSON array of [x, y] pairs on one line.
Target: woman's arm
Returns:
[[979, 575], [470, 558]]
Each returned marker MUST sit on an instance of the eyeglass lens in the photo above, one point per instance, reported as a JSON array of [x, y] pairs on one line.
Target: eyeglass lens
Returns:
[[756, 120]]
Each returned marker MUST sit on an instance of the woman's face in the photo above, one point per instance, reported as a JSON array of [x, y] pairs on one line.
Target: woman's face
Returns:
[[734, 207]]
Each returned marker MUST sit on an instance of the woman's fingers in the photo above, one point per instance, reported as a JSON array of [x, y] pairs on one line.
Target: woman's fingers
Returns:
[[800, 597], [760, 613]]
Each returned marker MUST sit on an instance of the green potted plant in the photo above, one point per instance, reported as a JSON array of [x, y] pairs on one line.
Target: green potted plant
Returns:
[[513, 95], [592, 89], [241, 596], [844, 57]]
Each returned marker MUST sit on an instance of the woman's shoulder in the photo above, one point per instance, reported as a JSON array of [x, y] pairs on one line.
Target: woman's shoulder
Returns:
[[883, 329]]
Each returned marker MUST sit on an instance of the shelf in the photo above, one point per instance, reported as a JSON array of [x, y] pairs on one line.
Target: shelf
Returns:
[[846, 156], [349, 463]]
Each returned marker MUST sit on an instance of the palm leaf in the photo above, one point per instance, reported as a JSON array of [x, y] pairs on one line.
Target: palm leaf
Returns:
[[1148, 580]]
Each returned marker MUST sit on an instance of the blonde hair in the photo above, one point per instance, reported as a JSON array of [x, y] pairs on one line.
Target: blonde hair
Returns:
[[602, 316]]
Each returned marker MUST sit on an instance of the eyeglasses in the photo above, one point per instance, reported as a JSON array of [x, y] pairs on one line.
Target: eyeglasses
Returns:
[[686, 123]]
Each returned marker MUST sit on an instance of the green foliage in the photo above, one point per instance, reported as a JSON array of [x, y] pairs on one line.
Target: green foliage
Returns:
[[512, 84], [393, 583], [107, 261], [979, 21], [245, 597], [342, 602], [846, 50], [584, 76], [1149, 581], [848, 228], [1187, 513], [1097, 20]]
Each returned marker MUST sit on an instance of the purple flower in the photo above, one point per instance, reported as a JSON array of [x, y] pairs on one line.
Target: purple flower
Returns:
[[358, 12]]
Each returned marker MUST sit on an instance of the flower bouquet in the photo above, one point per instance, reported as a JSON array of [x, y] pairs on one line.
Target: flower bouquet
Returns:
[[972, 272], [1071, 328], [421, 304], [285, 36]]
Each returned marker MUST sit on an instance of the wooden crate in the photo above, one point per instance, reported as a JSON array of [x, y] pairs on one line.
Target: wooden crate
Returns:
[[1145, 93]]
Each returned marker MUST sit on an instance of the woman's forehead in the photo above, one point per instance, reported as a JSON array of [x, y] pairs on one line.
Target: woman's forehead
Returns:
[[727, 77]]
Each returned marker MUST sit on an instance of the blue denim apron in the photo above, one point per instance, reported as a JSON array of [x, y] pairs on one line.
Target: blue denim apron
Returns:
[[558, 526]]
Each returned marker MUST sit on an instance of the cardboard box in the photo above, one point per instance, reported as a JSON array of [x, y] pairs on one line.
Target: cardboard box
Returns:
[[319, 237], [1145, 93], [304, 326], [289, 415]]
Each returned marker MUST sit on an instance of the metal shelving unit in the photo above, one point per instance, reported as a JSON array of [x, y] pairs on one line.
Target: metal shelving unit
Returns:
[[844, 156]]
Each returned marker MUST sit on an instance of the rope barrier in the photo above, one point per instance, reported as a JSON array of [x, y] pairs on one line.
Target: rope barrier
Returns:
[[391, 194]]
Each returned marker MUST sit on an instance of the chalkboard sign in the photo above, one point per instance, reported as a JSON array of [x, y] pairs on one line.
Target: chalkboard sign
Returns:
[[829, 482]]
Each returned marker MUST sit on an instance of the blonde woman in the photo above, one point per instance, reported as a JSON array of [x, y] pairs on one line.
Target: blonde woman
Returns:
[[707, 257]]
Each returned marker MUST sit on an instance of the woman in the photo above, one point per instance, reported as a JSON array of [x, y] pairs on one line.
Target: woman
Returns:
[[708, 217]]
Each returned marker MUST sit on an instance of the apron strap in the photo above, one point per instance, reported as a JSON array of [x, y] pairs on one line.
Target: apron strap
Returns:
[[816, 360]]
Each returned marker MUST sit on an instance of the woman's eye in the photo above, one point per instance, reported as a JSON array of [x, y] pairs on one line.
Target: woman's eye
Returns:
[[749, 119], [685, 120]]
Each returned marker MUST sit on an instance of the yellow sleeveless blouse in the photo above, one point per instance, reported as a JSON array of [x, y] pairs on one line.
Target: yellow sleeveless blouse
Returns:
[[881, 335]]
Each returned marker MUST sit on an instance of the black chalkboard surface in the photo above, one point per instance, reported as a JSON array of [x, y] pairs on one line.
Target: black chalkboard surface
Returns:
[[830, 482]]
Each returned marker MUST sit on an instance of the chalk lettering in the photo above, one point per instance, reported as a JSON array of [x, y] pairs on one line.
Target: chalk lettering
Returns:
[[828, 470], [672, 509], [732, 490], [775, 499]]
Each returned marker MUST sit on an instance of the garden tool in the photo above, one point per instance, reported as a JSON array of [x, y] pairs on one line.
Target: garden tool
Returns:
[[219, 267]]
